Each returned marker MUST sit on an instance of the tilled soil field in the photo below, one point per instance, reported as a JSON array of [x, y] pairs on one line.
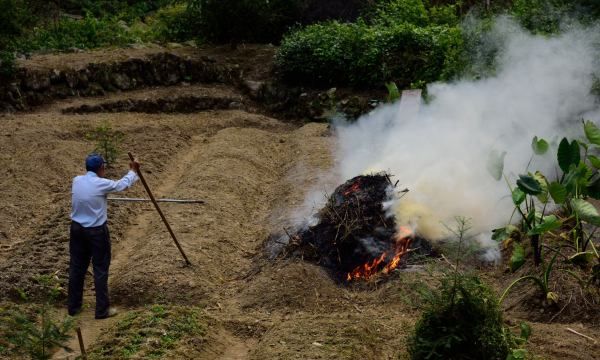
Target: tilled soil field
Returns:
[[252, 171]]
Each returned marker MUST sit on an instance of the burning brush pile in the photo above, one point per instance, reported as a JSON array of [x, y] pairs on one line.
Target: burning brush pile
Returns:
[[355, 236]]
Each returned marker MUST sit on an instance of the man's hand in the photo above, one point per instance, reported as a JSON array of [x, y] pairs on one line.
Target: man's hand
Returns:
[[134, 165]]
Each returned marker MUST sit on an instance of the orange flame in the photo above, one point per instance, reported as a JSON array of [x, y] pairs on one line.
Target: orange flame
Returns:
[[353, 188], [370, 268]]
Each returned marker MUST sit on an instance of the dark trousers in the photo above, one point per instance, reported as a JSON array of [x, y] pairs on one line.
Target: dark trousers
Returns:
[[87, 244]]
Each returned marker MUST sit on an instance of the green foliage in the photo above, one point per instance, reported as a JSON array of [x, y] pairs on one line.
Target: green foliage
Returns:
[[7, 64], [444, 15], [539, 146], [124, 9], [172, 23], [461, 320], [150, 333], [365, 55], [542, 281], [402, 11], [517, 258], [89, 32], [265, 21], [238, 21], [36, 332], [539, 15], [107, 141], [520, 353], [545, 16], [393, 92], [495, 164]]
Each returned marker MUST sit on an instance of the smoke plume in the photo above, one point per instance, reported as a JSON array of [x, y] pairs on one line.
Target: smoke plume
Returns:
[[440, 153]]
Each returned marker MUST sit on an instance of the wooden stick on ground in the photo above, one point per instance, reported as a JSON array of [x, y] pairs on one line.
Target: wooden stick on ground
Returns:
[[81, 346], [582, 335], [162, 216]]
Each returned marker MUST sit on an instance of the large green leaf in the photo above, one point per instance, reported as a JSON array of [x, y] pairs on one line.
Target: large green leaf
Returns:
[[577, 178], [541, 179], [525, 330], [558, 192], [504, 233], [550, 223], [592, 132], [586, 211], [518, 196], [595, 161], [568, 154], [539, 146], [495, 164], [518, 257], [593, 187], [529, 185]]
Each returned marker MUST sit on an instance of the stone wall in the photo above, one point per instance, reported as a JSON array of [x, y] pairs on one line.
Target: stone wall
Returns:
[[33, 87]]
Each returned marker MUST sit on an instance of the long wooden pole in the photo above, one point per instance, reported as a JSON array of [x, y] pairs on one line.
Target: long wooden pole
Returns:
[[176, 201], [162, 216]]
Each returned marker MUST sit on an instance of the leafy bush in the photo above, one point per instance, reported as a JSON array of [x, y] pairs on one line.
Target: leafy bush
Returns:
[[172, 23], [444, 15], [87, 33], [7, 64], [402, 11], [237, 21], [545, 16], [358, 54], [462, 320], [539, 15], [125, 9], [265, 21], [150, 333]]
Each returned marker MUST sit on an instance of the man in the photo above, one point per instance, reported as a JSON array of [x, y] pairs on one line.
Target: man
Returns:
[[89, 233]]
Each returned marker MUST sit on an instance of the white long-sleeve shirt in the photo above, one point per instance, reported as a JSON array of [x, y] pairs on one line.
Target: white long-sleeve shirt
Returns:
[[89, 196]]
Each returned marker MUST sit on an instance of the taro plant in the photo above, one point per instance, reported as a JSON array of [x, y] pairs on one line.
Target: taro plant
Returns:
[[579, 180], [542, 281]]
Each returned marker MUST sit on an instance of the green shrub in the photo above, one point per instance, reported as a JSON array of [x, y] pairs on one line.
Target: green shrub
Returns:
[[444, 15], [545, 16], [361, 55], [89, 32], [33, 330], [237, 21], [173, 23], [461, 320], [266, 21], [7, 64], [402, 11], [539, 15], [125, 9]]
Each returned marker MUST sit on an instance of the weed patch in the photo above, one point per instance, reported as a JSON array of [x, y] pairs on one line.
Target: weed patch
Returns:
[[150, 333]]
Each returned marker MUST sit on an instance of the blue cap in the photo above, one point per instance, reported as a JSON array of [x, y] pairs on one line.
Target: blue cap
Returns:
[[94, 162]]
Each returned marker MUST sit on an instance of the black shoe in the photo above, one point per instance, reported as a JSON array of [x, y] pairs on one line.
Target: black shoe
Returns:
[[111, 312]]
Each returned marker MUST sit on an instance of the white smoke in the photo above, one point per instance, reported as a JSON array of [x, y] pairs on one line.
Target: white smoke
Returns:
[[541, 88]]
